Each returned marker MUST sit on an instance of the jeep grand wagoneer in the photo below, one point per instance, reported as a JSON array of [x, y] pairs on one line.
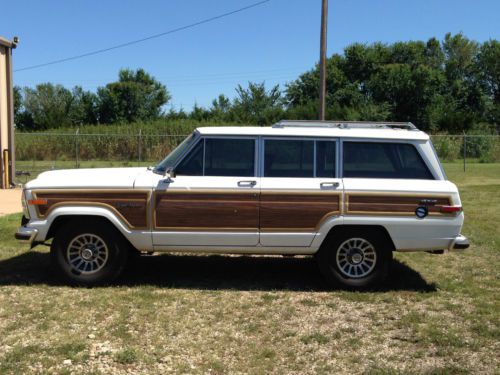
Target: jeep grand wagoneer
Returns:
[[348, 193]]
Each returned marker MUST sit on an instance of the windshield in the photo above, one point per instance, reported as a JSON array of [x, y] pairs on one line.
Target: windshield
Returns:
[[173, 157]]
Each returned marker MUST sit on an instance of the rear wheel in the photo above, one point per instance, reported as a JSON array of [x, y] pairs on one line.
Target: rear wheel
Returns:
[[355, 258], [88, 253]]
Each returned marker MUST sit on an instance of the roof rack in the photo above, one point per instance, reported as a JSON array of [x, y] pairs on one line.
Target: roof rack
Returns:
[[344, 124]]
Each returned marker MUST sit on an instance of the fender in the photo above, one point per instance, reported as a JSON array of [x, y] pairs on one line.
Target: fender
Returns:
[[141, 239], [324, 229]]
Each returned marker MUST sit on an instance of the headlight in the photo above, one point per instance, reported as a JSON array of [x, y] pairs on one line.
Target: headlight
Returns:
[[26, 212]]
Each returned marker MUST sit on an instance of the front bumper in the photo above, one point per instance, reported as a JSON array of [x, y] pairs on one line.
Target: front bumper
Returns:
[[25, 233], [459, 243]]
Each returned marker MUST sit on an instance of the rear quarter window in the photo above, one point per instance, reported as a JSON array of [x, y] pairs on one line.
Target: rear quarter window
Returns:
[[383, 160]]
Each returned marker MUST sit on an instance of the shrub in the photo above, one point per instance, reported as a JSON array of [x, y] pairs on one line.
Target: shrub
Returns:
[[480, 143]]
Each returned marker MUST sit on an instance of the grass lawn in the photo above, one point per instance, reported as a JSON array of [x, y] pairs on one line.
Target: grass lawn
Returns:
[[437, 314]]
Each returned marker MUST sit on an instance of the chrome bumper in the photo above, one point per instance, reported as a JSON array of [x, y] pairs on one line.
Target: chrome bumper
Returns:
[[459, 243], [26, 234]]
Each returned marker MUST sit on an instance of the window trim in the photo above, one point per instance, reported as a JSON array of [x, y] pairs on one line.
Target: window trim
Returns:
[[423, 157], [262, 153], [202, 138]]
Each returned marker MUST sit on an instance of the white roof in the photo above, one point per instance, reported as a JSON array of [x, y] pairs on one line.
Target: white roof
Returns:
[[377, 133]]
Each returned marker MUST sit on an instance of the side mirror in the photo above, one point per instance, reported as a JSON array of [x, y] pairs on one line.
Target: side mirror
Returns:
[[171, 172]]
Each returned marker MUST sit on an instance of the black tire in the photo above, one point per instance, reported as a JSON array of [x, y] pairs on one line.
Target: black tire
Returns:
[[343, 268], [79, 238]]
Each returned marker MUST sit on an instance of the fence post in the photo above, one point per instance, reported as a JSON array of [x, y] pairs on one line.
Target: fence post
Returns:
[[465, 150], [139, 140], [77, 149]]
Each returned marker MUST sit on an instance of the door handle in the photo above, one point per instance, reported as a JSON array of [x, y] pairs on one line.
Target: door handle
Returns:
[[333, 185], [247, 183]]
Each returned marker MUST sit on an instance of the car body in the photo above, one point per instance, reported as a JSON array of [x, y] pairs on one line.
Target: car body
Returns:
[[294, 188]]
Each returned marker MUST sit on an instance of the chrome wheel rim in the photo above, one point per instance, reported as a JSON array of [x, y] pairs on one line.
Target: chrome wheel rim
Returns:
[[356, 258], [87, 253]]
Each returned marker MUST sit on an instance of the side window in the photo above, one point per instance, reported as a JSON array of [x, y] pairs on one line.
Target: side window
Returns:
[[220, 157], [192, 164], [383, 160], [288, 158], [229, 157], [325, 159]]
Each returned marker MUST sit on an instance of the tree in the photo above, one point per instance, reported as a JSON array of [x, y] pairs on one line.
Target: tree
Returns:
[[84, 107], [489, 67], [256, 105], [48, 106], [221, 109], [135, 96]]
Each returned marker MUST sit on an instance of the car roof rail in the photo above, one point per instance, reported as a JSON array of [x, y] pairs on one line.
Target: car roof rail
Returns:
[[344, 124]]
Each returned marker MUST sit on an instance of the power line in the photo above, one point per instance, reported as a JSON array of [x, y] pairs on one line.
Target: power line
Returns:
[[126, 44]]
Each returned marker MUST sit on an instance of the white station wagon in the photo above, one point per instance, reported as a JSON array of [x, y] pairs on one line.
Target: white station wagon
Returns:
[[349, 193]]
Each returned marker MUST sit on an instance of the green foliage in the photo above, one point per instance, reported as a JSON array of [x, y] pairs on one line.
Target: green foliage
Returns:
[[135, 96], [107, 142], [479, 143], [446, 86], [447, 147], [49, 106], [256, 105]]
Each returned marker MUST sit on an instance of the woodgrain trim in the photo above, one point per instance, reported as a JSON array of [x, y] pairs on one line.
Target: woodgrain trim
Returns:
[[208, 210], [105, 198], [296, 211], [393, 204]]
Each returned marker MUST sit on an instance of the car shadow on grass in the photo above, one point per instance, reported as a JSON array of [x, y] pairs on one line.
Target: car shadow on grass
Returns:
[[210, 272]]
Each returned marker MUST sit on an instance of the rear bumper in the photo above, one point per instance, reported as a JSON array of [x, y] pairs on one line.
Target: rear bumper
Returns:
[[460, 243], [25, 233]]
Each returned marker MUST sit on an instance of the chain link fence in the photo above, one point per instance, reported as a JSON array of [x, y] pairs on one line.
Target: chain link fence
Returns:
[[38, 152]]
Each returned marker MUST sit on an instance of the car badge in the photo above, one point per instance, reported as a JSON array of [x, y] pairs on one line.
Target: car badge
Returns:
[[421, 212]]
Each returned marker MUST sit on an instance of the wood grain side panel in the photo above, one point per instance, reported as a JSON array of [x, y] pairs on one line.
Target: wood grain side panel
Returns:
[[300, 211], [206, 211], [396, 199], [393, 204], [132, 206]]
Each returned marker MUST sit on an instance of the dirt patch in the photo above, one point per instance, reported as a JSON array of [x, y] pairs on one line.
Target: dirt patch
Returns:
[[10, 201]]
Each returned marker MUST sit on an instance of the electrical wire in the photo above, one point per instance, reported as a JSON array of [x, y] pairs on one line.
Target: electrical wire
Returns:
[[126, 44]]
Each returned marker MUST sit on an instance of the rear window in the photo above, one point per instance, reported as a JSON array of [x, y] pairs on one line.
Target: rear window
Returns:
[[383, 160]]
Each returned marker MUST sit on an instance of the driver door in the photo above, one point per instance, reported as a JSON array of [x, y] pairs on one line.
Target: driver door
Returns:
[[213, 200]]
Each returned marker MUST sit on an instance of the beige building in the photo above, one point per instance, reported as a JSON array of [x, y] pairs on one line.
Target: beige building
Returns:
[[6, 114]]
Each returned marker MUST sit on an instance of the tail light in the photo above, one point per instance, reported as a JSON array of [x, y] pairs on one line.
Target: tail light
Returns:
[[451, 209]]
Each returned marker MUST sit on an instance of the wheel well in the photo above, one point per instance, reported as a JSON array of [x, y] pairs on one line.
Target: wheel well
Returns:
[[79, 220], [377, 229]]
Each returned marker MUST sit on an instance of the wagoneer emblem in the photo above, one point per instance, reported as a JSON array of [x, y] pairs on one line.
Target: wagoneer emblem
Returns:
[[128, 205], [421, 212]]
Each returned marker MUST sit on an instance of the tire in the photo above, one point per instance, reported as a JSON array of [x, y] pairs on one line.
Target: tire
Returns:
[[88, 253], [355, 258]]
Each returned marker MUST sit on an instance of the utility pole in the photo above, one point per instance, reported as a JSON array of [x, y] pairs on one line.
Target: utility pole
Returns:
[[322, 60]]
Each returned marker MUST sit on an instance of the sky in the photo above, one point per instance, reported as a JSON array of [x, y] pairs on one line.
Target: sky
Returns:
[[273, 42]]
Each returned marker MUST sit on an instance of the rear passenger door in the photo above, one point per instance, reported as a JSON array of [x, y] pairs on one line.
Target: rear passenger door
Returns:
[[300, 189]]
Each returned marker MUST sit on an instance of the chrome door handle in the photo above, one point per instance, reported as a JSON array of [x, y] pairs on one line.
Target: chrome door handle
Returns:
[[333, 185], [247, 183]]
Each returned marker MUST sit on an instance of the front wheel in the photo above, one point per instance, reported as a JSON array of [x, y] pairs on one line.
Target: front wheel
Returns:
[[355, 258], [88, 253]]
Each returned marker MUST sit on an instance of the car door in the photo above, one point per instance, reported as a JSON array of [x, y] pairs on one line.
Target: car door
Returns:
[[213, 200], [300, 189]]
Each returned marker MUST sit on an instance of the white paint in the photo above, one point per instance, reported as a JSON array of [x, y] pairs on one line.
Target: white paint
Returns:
[[407, 233]]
